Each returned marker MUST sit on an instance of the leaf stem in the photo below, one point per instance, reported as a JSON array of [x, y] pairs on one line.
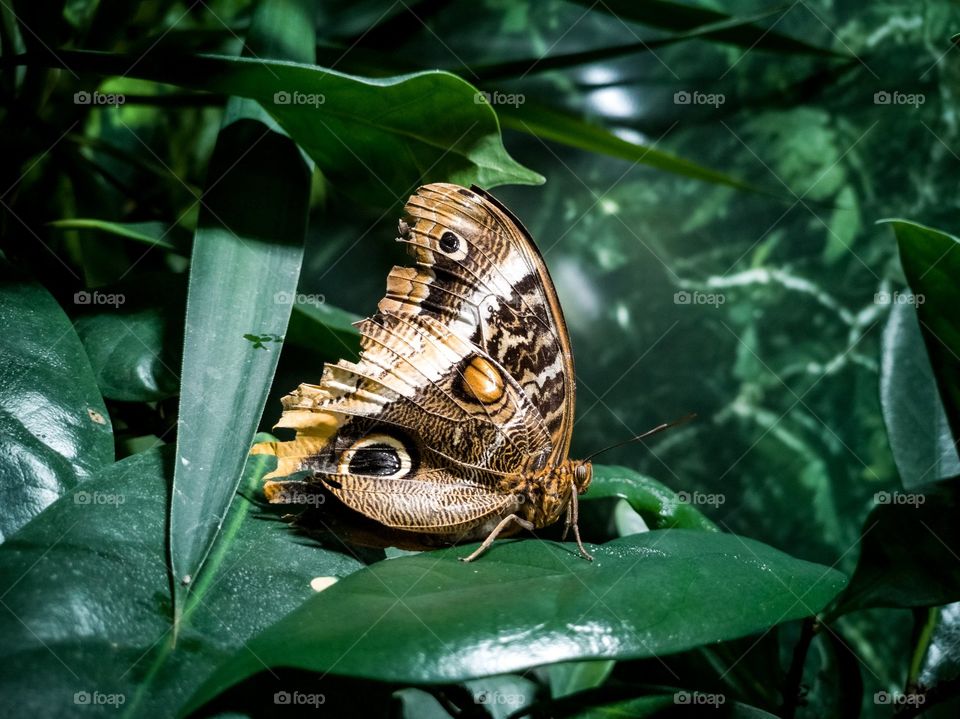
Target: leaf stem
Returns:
[[791, 688], [925, 623]]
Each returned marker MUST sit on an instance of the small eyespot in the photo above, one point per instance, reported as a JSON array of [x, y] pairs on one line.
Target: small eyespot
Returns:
[[449, 242]]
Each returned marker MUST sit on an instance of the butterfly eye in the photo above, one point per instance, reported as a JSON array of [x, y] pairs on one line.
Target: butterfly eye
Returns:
[[449, 242], [377, 455], [582, 475]]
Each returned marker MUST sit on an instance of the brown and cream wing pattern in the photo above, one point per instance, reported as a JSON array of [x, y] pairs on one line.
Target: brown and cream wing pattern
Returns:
[[464, 380], [413, 435], [478, 272]]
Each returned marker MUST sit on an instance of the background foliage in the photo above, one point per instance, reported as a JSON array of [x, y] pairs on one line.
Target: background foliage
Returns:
[[723, 255]]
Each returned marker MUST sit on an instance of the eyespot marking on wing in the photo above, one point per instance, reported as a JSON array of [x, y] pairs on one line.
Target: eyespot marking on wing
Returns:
[[376, 455], [480, 381]]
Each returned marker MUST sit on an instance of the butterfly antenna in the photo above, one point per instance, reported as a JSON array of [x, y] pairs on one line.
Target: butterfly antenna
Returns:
[[659, 428]]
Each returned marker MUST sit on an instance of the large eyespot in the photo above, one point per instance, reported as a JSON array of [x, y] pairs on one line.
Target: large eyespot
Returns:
[[376, 455], [480, 381]]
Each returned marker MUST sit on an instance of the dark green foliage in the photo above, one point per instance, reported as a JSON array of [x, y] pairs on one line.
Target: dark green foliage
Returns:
[[196, 201]]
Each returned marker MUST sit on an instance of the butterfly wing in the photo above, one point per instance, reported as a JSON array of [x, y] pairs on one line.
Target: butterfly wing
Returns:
[[464, 380]]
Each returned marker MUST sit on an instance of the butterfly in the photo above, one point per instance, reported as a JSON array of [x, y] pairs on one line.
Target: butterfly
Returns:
[[454, 425]]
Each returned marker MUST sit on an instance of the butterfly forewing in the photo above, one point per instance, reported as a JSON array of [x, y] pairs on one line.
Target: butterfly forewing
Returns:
[[479, 271]]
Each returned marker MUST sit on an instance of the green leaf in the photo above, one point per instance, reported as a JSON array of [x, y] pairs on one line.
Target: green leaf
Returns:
[[54, 428], [660, 507], [724, 28], [86, 594], [917, 427], [377, 138], [135, 344], [314, 324], [636, 708], [246, 257], [154, 234], [831, 677], [550, 124], [908, 551], [572, 677], [431, 618], [678, 16], [931, 262], [680, 703]]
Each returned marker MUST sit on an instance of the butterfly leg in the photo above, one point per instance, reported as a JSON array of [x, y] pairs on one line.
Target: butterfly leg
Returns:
[[573, 516], [493, 535]]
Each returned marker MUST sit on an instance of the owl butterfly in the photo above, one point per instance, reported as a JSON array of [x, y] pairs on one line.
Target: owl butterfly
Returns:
[[455, 423]]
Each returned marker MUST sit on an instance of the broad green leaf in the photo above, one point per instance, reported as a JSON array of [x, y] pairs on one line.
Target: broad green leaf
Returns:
[[135, 343], [86, 595], [931, 262], [431, 618], [908, 551], [247, 253], [54, 428], [679, 16], [377, 138], [920, 437], [550, 124], [660, 507], [155, 234]]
